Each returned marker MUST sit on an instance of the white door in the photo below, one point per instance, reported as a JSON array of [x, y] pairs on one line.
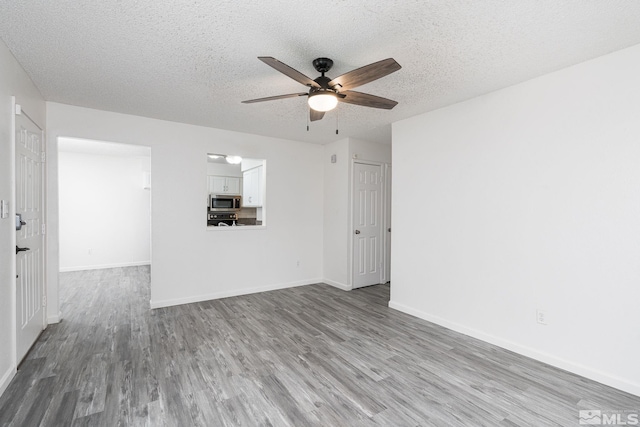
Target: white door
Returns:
[[367, 225], [30, 239]]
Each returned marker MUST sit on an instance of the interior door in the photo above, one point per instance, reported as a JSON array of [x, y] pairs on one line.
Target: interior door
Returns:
[[367, 225], [29, 239]]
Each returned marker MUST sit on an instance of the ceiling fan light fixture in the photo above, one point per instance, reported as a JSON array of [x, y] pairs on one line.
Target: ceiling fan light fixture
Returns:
[[323, 101]]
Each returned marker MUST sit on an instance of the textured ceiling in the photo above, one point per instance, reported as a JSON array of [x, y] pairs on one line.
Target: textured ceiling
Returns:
[[195, 61]]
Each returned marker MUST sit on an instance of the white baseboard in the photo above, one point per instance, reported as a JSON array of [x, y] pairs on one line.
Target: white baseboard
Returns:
[[227, 294], [576, 368], [56, 318], [6, 378], [337, 284], [102, 266]]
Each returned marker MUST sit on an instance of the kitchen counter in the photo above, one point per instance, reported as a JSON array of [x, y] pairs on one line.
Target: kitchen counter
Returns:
[[247, 221]]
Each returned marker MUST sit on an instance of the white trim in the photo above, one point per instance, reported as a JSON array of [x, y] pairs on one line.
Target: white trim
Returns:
[[576, 368], [386, 214], [338, 285], [57, 318], [226, 294], [45, 236], [103, 266], [7, 377], [12, 242]]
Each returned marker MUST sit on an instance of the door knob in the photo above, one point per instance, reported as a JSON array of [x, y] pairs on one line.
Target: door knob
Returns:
[[21, 249], [357, 231]]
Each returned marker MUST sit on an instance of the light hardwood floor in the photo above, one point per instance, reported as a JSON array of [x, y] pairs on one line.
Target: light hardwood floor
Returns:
[[307, 356]]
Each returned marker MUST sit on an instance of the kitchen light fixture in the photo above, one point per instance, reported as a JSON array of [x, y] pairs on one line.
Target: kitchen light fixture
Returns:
[[214, 156], [234, 160], [323, 100]]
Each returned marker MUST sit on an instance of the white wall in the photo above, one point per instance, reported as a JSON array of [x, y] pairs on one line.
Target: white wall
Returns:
[[104, 211], [189, 262], [529, 198], [369, 151], [337, 209], [336, 214], [224, 170], [250, 164], [13, 82]]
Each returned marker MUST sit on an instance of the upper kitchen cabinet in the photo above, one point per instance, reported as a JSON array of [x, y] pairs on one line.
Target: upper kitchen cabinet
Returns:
[[252, 187], [223, 177], [224, 184]]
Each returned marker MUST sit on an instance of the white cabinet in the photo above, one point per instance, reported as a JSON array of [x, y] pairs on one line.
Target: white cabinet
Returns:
[[224, 184], [252, 187], [233, 185], [217, 184]]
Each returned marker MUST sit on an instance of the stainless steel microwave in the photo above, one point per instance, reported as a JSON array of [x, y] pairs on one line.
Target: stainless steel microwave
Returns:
[[225, 203]]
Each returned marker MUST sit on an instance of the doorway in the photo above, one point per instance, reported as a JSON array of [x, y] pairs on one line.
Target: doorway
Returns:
[[104, 196]]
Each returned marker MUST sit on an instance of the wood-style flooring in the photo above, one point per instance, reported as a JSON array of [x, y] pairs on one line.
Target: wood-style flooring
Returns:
[[306, 356]]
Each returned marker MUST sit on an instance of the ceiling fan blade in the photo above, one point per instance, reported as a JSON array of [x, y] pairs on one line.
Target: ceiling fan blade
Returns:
[[273, 98], [366, 100], [365, 74], [288, 71], [315, 115]]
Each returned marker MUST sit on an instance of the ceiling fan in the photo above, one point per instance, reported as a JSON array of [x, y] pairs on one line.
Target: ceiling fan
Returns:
[[324, 93]]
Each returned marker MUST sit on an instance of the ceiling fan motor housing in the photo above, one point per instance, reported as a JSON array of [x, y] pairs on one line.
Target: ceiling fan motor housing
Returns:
[[322, 65], [323, 81]]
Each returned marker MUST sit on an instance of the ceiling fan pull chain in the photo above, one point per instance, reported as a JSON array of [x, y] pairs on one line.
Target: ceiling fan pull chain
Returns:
[[337, 114], [308, 119]]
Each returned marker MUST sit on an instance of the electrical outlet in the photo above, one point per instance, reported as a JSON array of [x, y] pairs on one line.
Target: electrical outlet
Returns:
[[298, 263], [541, 317]]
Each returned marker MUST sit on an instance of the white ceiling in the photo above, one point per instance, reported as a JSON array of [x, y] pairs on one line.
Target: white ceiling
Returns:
[[194, 61]]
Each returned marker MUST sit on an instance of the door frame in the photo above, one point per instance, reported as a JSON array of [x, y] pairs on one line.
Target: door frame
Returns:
[[53, 192], [386, 231], [386, 202], [16, 110]]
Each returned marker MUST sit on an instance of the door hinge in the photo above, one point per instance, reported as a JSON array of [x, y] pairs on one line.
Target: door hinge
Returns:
[[44, 300], [44, 228], [43, 155]]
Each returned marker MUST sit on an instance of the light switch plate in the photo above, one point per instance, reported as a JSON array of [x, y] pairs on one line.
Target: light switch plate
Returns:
[[4, 209]]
